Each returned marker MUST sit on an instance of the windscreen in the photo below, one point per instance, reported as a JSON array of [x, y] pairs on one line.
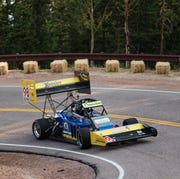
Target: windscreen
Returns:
[[100, 118]]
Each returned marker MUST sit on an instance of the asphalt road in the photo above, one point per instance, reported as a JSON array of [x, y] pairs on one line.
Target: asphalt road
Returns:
[[147, 158]]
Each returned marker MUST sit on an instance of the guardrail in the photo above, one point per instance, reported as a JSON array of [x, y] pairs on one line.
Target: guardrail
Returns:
[[93, 56]]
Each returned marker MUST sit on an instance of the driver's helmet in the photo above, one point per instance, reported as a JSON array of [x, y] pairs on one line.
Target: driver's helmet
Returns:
[[78, 108], [90, 111]]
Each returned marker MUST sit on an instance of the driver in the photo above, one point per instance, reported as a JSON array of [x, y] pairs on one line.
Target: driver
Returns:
[[92, 112]]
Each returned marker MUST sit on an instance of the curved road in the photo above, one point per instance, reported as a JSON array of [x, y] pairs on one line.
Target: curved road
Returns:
[[148, 158]]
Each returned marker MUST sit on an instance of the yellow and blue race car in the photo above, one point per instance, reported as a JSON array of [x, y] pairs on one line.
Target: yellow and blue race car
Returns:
[[81, 121]]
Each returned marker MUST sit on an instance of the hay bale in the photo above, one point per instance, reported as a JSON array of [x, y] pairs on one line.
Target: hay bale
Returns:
[[30, 67], [163, 67], [112, 66], [59, 66], [3, 68], [81, 65], [137, 66]]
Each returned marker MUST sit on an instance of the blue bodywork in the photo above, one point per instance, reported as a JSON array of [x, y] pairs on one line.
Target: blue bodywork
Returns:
[[70, 124]]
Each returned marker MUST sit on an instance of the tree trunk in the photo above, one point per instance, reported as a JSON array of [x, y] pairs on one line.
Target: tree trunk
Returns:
[[162, 40], [92, 27], [162, 13], [126, 27]]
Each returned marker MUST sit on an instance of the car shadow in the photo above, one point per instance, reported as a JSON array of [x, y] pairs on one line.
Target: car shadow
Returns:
[[122, 145]]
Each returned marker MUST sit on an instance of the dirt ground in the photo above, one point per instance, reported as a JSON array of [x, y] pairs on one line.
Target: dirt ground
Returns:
[[30, 166], [23, 166]]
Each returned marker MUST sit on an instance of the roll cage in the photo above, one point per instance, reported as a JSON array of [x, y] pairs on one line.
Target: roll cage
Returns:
[[90, 109], [80, 107]]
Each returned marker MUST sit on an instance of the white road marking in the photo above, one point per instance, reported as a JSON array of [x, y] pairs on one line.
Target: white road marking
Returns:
[[137, 90], [10, 86], [108, 88], [116, 165]]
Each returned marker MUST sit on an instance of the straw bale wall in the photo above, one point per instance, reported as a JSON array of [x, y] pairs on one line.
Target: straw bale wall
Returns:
[[137, 66], [81, 65], [59, 66], [163, 67], [30, 67], [3, 68], [112, 66]]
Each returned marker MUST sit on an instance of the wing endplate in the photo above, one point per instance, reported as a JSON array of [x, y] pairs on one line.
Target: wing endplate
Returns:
[[29, 91]]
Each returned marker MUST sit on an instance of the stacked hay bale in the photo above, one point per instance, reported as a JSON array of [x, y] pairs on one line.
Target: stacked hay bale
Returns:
[[81, 65], [112, 66], [30, 67], [163, 67], [59, 66], [3, 68], [137, 66]]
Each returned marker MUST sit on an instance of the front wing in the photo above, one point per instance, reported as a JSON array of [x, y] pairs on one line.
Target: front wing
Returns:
[[123, 133]]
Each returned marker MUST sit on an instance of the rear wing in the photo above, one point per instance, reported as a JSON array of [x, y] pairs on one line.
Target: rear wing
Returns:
[[80, 83]]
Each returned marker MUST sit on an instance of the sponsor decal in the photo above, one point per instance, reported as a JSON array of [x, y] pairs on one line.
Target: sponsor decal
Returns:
[[92, 104], [102, 121], [84, 77], [29, 91], [66, 126], [109, 139], [51, 84], [26, 94]]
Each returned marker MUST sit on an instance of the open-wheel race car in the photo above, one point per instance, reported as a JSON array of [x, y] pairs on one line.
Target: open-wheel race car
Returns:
[[81, 121]]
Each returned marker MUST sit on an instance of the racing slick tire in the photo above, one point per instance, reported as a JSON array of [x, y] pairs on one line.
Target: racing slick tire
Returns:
[[130, 121], [83, 139], [154, 131], [41, 128]]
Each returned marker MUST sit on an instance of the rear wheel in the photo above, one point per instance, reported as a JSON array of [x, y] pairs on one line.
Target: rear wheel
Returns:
[[130, 121], [41, 128], [84, 141]]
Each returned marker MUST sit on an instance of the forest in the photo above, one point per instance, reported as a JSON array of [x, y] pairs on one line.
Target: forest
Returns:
[[90, 26]]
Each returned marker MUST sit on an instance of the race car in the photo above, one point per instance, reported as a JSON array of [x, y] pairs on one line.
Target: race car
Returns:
[[82, 121]]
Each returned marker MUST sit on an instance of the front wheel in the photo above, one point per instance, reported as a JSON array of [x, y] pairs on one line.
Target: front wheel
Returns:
[[154, 131], [41, 128], [83, 138], [130, 121]]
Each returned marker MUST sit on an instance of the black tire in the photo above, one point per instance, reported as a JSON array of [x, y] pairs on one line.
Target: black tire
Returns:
[[154, 131], [83, 138], [130, 121], [41, 128]]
